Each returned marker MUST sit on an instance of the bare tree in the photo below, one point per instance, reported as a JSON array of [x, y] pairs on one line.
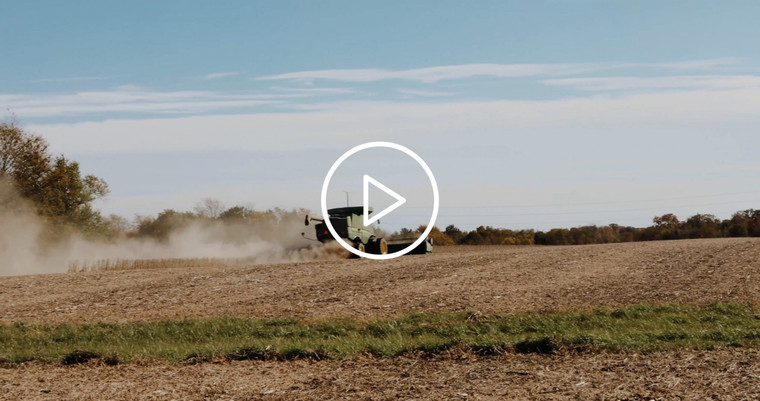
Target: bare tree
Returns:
[[210, 208]]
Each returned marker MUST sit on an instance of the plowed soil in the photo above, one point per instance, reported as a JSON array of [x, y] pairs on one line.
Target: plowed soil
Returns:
[[499, 280], [728, 374], [487, 279]]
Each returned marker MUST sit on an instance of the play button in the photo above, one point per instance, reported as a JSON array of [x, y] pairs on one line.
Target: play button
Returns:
[[342, 215], [400, 200]]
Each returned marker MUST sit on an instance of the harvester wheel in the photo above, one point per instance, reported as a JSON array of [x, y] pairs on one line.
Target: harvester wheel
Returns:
[[377, 246], [359, 246]]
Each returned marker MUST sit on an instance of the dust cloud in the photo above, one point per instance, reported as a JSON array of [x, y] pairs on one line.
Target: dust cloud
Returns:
[[26, 246]]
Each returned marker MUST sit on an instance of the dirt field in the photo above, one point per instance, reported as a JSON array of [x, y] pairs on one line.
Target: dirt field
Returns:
[[486, 279], [729, 374]]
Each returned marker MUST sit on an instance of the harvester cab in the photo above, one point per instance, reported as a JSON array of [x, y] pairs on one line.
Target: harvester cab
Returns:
[[348, 222]]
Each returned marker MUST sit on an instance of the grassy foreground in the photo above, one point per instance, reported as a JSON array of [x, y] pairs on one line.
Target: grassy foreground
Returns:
[[639, 327]]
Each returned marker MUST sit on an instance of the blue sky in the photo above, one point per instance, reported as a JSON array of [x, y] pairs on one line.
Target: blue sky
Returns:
[[532, 114]]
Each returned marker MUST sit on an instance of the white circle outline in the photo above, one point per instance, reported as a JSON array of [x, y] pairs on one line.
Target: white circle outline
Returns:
[[399, 148]]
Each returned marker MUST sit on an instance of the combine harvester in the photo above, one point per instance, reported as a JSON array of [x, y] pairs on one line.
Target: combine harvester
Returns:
[[348, 223]]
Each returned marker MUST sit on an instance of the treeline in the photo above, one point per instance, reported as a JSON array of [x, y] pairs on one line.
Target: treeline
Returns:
[[745, 223], [239, 222], [62, 197], [33, 181]]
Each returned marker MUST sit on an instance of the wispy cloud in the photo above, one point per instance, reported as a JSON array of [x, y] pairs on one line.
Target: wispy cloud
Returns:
[[706, 82], [135, 99], [335, 124], [697, 65], [412, 92], [435, 74], [450, 72], [315, 91], [64, 79], [216, 75], [131, 99]]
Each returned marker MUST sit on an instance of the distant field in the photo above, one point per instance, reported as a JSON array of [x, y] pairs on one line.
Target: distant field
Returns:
[[673, 317]]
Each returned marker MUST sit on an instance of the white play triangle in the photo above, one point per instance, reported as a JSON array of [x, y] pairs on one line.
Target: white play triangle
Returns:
[[400, 200]]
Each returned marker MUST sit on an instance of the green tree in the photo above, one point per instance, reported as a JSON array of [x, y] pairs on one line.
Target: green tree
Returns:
[[164, 224], [67, 193], [454, 233], [237, 214], [24, 159], [56, 186], [666, 220]]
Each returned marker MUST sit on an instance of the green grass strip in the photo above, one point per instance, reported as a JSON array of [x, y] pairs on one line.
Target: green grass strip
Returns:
[[640, 328]]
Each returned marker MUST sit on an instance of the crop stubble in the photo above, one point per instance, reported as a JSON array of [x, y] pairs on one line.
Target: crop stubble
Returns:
[[486, 279]]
